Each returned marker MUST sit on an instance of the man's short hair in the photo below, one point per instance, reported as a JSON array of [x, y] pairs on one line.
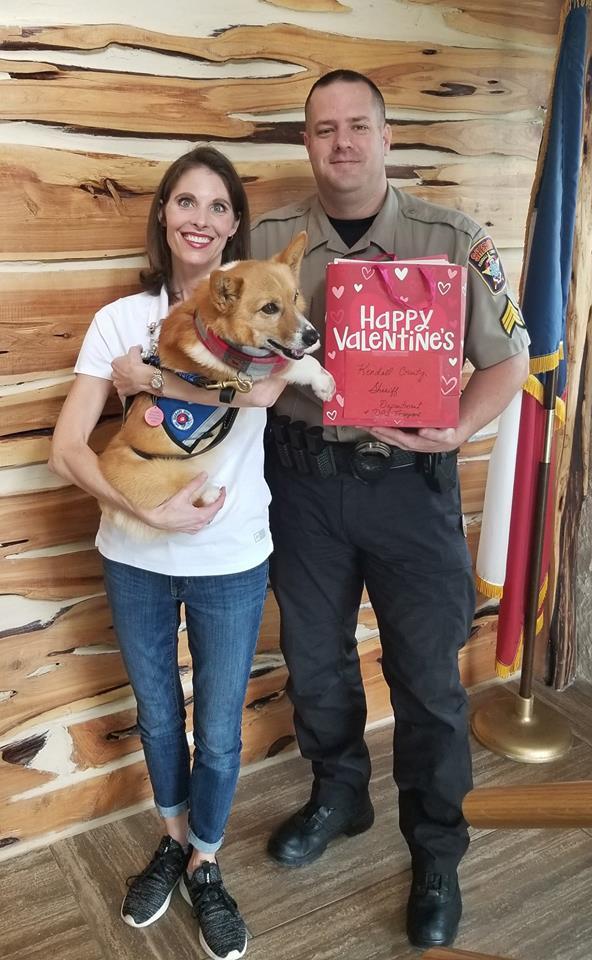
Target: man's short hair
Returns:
[[348, 76]]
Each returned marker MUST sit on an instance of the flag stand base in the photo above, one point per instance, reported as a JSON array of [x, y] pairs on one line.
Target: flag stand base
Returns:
[[528, 732]]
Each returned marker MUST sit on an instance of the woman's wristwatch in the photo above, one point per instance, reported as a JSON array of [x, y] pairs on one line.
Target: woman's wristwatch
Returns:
[[157, 381]]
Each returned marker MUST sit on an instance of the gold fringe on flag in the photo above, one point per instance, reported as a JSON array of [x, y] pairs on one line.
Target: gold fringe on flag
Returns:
[[505, 670], [492, 590], [535, 388], [547, 361]]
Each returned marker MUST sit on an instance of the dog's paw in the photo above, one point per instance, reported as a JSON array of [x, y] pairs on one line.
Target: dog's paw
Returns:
[[208, 495], [324, 385]]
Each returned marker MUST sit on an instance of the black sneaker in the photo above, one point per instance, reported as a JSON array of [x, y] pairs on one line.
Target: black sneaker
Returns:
[[150, 892], [222, 930]]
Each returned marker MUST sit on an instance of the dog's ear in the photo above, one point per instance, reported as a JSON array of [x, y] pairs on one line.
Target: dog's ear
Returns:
[[292, 255], [225, 289]]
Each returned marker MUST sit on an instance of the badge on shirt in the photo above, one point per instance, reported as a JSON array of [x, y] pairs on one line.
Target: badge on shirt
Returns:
[[484, 259], [511, 317]]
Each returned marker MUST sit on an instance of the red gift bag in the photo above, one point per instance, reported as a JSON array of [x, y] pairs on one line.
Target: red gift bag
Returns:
[[394, 342]]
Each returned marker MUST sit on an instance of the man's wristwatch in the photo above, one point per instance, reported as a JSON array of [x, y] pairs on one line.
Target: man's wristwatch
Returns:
[[157, 381]]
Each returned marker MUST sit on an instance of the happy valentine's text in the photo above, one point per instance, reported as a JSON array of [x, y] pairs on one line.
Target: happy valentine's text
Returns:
[[406, 330]]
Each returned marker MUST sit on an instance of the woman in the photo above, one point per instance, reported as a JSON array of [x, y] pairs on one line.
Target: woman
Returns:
[[199, 219]]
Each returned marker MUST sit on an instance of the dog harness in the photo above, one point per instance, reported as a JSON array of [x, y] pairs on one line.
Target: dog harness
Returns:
[[193, 427]]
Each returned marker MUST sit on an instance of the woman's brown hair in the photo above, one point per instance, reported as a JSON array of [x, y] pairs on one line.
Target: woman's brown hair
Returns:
[[238, 247]]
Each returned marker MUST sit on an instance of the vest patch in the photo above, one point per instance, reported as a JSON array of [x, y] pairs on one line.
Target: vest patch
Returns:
[[187, 424], [485, 260]]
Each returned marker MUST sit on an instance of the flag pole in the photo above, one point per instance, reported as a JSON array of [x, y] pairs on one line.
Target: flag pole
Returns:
[[530, 732]]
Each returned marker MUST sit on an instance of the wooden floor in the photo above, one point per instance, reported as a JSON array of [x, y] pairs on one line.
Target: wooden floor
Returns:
[[526, 893]]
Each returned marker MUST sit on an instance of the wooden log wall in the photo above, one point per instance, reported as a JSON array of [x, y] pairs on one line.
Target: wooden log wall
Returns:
[[94, 103]]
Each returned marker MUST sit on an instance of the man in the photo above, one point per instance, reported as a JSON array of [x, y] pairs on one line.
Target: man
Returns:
[[392, 529]]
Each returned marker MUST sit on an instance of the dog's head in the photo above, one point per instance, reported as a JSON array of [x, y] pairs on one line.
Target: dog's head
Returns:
[[257, 303]]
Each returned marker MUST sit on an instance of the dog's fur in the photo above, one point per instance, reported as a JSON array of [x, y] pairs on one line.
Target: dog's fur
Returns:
[[230, 303]]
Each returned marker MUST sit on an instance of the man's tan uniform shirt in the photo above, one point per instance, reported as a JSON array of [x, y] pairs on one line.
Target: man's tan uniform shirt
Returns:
[[408, 228]]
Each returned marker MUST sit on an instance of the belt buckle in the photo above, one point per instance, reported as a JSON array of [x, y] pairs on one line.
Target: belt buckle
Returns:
[[370, 460]]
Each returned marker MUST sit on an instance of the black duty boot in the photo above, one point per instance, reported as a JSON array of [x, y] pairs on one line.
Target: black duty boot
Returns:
[[303, 838], [433, 910]]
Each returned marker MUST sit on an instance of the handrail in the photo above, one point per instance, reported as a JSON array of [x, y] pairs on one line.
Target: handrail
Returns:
[[539, 805]]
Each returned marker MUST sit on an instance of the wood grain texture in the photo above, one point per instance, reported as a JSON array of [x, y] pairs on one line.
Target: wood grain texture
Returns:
[[84, 627], [60, 204], [444, 953], [15, 779], [42, 578], [350, 904], [40, 914], [434, 77], [38, 407], [311, 6], [44, 316], [267, 730], [549, 805], [36, 520], [19, 451], [319, 909], [532, 22], [473, 475]]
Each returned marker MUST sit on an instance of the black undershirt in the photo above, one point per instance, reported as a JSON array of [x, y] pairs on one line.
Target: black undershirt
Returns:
[[350, 231]]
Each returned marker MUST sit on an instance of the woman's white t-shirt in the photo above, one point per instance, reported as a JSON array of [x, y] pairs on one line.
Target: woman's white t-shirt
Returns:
[[238, 537]]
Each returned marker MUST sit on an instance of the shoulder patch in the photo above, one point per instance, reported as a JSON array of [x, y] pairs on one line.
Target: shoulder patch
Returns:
[[511, 317], [485, 260]]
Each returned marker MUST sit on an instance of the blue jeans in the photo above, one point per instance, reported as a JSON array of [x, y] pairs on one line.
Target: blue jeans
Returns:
[[223, 615]]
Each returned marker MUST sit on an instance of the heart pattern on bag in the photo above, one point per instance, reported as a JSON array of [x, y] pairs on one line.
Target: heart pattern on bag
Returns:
[[367, 272], [401, 272], [358, 287], [451, 360], [336, 316], [340, 400], [444, 287], [331, 354], [452, 273], [447, 386], [337, 292], [331, 414]]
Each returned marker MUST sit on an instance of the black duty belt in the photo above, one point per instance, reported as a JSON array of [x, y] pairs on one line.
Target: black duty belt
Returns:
[[303, 450]]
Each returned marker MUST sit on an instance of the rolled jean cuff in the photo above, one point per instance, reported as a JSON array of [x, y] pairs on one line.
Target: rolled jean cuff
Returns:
[[175, 811], [202, 845]]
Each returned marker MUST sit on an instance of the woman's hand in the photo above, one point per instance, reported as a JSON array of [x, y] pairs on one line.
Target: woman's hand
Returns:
[[178, 514], [264, 393], [130, 374]]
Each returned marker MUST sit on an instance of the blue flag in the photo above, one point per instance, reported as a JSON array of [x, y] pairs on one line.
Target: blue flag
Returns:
[[552, 219]]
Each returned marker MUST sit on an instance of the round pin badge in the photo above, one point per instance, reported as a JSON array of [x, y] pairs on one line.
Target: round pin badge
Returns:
[[153, 416], [182, 419]]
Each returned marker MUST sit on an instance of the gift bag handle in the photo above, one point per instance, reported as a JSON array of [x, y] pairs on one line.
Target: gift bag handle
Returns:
[[385, 276]]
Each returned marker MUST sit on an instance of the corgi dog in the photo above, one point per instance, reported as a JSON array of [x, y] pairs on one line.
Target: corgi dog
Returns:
[[242, 323]]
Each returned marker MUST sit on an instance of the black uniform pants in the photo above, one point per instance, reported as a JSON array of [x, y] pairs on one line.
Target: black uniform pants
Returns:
[[406, 543]]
